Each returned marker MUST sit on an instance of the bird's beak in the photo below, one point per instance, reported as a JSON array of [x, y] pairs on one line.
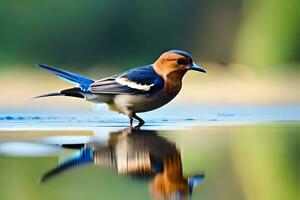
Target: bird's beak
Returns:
[[195, 67]]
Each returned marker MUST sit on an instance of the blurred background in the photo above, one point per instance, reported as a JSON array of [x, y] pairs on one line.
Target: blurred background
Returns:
[[250, 48]]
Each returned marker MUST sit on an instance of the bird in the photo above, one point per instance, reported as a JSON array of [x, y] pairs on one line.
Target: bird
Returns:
[[141, 154], [137, 90]]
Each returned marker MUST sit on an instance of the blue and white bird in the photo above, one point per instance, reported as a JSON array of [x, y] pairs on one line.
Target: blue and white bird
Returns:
[[137, 90]]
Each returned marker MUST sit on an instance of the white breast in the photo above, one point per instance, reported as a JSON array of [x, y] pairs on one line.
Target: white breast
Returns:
[[141, 103]]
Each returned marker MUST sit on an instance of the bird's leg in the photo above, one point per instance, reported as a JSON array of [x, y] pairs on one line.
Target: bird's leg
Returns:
[[131, 120], [141, 121]]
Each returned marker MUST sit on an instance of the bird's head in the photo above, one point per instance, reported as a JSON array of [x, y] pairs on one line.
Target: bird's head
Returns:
[[176, 61]]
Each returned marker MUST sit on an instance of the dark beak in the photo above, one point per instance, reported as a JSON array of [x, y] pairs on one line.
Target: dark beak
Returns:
[[195, 67]]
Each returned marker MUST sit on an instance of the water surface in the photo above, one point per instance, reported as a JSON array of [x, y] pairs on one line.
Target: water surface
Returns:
[[215, 155]]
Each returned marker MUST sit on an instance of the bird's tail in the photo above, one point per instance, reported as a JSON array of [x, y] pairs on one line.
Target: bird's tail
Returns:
[[84, 156], [72, 92], [76, 79]]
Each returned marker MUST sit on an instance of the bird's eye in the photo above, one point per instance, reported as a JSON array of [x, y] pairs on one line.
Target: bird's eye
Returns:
[[181, 61]]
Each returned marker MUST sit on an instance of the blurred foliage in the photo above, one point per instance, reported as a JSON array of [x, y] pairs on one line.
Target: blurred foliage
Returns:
[[129, 33], [84, 33], [270, 33]]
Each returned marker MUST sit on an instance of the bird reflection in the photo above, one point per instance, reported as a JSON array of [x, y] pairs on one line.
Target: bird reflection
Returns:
[[137, 153]]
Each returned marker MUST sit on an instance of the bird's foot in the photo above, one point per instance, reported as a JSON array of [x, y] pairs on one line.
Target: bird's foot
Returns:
[[140, 124]]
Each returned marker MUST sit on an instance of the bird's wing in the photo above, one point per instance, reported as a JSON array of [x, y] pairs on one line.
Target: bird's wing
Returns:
[[136, 81]]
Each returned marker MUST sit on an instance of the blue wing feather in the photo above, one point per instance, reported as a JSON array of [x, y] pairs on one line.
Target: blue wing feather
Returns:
[[144, 75], [76, 79]]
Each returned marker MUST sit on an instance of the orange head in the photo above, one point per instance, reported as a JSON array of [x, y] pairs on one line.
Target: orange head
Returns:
[[175, 60]]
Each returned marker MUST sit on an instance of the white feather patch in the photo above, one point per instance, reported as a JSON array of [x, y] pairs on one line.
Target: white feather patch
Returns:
[[132, 84]]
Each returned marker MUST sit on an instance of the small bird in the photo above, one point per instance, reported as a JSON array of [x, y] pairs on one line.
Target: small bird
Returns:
[[140, 154], [137, 90]]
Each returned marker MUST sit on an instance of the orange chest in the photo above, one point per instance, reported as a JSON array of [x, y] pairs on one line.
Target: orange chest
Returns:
[[173, 82], [172, 87]]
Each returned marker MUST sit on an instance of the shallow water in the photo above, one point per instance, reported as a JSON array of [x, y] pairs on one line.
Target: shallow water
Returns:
[[172, 117], [218, 154]]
